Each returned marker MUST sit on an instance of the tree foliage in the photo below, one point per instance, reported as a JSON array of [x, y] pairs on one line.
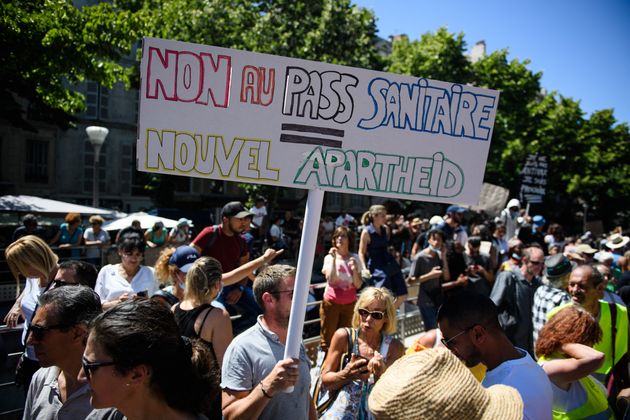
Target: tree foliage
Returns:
[[47, 44], [333, 31], [588, 156]]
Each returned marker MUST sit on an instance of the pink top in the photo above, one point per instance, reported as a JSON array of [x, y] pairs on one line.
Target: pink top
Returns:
[[340, 289]]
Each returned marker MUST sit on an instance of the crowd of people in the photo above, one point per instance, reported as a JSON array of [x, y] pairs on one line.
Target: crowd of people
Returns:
[[520, 320]]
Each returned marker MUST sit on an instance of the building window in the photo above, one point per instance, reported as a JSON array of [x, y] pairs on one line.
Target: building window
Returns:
[[334, 200], [126, 168], [356, 201], [96, 101], [88, 168], [36, 161]]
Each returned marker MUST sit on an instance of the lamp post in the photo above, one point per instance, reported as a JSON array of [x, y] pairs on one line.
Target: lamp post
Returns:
[[97, 137]]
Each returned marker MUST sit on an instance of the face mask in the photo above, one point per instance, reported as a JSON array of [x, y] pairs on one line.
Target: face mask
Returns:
[[182, 285], [516, 257], [434, 249]]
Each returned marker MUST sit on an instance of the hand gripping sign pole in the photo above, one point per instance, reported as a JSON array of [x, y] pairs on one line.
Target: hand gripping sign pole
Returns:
[[303, 274]]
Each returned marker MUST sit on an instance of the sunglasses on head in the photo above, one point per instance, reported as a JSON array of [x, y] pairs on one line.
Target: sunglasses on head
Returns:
[[90, 367], [374, 314], [39, 331]]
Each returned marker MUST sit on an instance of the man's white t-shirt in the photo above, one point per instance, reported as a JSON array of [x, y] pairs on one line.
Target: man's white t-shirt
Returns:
[[530, 380]]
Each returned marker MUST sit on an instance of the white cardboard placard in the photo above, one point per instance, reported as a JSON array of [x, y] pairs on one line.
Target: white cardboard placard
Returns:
[[233, 115]]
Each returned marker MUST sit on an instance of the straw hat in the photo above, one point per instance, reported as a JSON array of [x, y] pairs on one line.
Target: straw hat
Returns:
[[434, 384], [617, 240]]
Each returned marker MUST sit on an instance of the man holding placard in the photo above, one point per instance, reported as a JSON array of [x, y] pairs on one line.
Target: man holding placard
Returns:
[[255, 374], [262, 119]]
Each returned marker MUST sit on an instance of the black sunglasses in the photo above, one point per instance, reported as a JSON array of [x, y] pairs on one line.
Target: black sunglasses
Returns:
[[39, 331], [90, 367], [448, 343], [374, 314]]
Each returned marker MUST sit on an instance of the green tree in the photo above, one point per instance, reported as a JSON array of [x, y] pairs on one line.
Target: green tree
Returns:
[[588, 156], [439, 56], [333, 31], [520, 93], [48, 44]]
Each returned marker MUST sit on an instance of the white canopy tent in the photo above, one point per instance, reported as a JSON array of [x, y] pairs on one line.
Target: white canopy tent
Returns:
[[38, 205], [146, 221]]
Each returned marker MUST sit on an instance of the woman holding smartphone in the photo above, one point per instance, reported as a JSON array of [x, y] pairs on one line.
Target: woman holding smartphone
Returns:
[[373, 351], [118, 282]]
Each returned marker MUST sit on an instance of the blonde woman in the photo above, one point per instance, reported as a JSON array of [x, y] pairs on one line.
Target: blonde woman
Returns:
[[196, 316], [372, 352], [379, 264], [32, 258]]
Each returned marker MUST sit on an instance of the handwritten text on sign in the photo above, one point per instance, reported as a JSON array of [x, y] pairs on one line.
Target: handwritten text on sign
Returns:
[[227, 114]]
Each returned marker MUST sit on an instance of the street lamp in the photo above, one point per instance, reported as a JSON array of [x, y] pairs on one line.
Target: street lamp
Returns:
[[97, 137]]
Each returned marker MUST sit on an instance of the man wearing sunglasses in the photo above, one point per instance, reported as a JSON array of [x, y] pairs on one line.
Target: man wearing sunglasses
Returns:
[[470, 326], [58, 332], [255, 375], [513, 293]]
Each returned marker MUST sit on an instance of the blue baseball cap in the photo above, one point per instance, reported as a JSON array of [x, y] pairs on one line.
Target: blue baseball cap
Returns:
[[538, 220], [455, 209], [184, 257]]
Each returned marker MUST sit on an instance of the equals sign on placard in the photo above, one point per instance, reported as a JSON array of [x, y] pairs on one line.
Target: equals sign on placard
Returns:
[[322, 138]]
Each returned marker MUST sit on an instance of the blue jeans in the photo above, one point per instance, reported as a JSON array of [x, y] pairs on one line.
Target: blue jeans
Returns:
[[429, 316]]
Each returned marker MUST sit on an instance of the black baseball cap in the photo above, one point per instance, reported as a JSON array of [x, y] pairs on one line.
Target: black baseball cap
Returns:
[[235, 209]]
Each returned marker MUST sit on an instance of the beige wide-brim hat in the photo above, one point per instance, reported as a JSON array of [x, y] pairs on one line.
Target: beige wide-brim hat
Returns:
[[617, 240], [435, 384]]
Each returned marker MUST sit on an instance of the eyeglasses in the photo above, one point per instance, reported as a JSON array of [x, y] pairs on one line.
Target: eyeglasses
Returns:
[[90, 367], [374, 314], [536, 262], [39, 331], [290, 291], [447, 343]]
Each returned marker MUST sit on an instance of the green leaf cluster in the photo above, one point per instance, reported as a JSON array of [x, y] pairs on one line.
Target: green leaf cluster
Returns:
[[47, 44], [588, 156]]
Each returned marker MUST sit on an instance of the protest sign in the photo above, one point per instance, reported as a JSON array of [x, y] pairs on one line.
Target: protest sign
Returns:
[[233, 115], [534, 179]]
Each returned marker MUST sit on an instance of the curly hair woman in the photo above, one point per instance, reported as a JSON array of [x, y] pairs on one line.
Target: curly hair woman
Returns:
[[564, 352]]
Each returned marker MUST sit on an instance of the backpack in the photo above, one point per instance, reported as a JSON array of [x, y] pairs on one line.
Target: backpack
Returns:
[[215, 234]]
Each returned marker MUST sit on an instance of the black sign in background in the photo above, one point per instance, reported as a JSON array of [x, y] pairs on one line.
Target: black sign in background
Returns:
[[534, 179]]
